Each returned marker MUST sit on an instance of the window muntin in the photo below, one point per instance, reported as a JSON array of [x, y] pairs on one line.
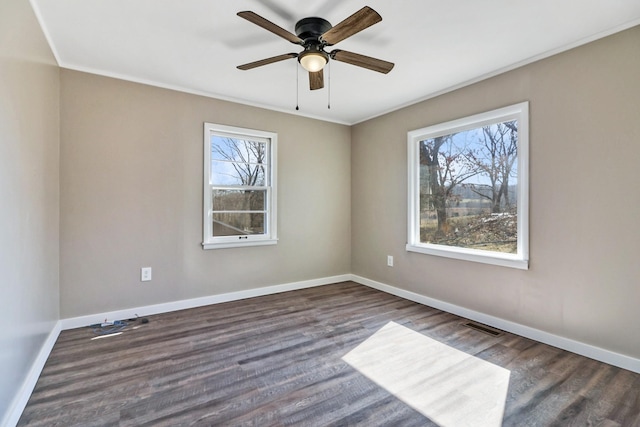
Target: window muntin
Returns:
[[239, 187], [468, 188]]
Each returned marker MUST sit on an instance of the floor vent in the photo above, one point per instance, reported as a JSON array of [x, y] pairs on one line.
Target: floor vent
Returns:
[[483, 328]]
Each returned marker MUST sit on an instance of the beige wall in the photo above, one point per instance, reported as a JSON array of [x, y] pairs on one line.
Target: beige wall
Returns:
[[584, 276], [29, 210], [131, 196]]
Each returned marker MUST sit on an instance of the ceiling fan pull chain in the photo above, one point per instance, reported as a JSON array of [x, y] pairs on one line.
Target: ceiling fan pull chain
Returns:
[[329, 87], [297, 88]]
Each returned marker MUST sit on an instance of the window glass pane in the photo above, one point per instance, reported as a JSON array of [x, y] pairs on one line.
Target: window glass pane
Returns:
[[246, 174], [238, 224], [468, 188], [238, 200], [238, 150]]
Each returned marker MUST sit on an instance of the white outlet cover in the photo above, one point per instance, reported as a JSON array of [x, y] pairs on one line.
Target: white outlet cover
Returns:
[[145, 274]]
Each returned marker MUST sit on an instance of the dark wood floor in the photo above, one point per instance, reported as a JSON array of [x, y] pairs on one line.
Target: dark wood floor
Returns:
[[277, 361]]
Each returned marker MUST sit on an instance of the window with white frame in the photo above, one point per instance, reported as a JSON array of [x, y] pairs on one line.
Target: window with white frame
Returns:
[[239, 187], [468, 188]]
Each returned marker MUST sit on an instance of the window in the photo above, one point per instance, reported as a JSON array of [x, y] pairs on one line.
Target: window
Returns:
[[468, 188], [239, 187]]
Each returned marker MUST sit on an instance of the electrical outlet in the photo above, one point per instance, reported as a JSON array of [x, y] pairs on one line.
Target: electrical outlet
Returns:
[[389, 260], [145, 274]]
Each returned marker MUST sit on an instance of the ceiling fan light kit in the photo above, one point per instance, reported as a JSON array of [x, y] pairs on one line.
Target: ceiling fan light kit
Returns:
[[313, 60], [314, 34]]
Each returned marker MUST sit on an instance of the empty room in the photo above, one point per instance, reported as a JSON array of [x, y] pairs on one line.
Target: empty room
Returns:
[[280, 213]]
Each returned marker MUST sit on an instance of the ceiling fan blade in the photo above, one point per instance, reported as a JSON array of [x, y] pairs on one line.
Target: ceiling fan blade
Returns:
[[364, 18], [316, 80], [266, 61], [270, 26], [362, 61]]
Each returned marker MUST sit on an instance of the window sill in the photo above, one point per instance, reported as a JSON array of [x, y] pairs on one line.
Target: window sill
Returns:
[[485, 257], [239, 244]]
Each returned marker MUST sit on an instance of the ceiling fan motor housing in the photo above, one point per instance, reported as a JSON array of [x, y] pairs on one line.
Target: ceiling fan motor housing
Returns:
[[310, 29]]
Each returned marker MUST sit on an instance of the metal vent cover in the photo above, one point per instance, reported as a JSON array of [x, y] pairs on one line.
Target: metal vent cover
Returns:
[[483, 328]]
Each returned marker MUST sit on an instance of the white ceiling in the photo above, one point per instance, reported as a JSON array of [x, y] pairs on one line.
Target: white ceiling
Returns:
[[195, 46]]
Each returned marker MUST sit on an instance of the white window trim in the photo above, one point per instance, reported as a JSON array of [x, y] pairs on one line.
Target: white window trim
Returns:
[[519, 260], [271, 223]]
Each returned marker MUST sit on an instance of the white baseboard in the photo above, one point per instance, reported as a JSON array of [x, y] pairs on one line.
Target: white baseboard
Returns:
[[587, 350], [78, 322], [21, 398]]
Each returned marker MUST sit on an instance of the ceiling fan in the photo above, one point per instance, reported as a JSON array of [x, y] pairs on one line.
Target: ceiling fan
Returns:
[[314, 34]]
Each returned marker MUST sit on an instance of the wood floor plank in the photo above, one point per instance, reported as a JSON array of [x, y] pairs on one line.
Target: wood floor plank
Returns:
[[277, 360]]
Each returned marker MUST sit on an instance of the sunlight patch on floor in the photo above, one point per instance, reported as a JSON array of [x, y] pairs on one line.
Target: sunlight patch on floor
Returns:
[[450, 387]]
